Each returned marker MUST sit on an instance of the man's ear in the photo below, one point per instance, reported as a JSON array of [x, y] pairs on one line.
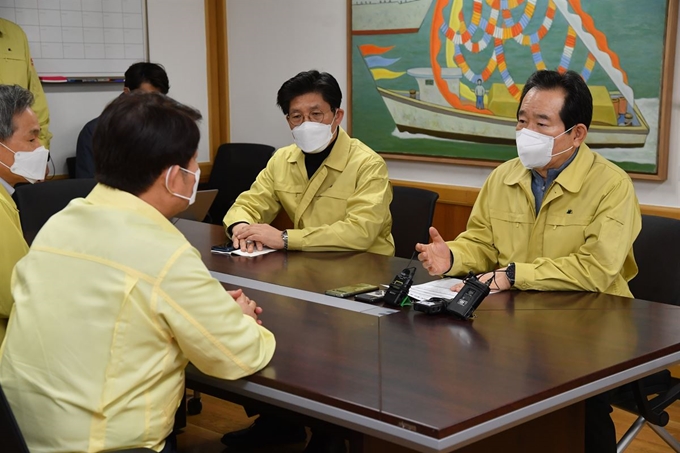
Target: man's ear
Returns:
[[579, 132], [339, 115], [126, 90], [172, 178]]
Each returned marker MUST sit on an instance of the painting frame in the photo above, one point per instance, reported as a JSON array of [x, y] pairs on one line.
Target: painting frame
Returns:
[[663, 126]]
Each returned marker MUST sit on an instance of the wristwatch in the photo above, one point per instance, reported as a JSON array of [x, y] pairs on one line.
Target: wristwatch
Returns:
[[510, 273], [284, 236]]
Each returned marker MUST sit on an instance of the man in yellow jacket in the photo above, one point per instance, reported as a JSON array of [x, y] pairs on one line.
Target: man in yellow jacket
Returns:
[[334, 188], [559, 217], [16, 68], [22, 159], [111, 301]]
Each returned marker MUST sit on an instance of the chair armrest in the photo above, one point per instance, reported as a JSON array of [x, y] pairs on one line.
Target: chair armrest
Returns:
[[654, 410]]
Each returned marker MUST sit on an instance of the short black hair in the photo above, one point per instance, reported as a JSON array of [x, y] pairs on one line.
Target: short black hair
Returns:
[[309, 82], [151, 73], [140, 135], [578, 102]]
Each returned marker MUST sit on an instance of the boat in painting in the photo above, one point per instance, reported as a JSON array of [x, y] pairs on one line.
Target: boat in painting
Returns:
[[370, 17], [446, 103], [425, 111]]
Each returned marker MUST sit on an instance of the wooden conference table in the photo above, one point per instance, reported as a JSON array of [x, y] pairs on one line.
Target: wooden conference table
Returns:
[[514, 379]]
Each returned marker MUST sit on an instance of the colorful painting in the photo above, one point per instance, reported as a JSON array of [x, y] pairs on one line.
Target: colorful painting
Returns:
[[441, 79]]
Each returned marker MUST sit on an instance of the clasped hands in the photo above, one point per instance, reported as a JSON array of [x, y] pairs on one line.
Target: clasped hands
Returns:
[[436, 259], [248, 306], [257, 236]]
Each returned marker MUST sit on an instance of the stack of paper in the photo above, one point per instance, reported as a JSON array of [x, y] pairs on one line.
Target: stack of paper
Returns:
[[436, 288]]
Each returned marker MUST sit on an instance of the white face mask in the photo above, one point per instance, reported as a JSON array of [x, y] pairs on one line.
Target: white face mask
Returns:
[[311, 137], [535, 149], [197, 177], [30, 165]]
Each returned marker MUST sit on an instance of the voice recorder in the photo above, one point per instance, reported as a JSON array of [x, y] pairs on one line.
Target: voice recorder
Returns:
[[469, 297]]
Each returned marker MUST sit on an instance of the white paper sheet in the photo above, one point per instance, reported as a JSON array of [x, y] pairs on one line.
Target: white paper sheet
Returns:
[[256, 252], [435, 288]]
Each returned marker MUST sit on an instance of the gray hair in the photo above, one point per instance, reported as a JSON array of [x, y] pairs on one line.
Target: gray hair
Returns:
[[13, 101]]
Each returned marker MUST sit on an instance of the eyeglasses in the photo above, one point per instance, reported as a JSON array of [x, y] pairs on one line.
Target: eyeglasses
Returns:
[[316, 116]]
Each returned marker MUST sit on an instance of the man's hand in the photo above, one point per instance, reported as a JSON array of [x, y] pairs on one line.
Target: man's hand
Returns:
[[500, 281], [436, 256], [234, 235], [245, 245], [248, 306], [258, 235]]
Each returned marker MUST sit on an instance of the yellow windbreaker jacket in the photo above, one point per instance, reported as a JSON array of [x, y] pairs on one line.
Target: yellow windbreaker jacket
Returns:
[[16, 68], [581, 239], [111, 302], [13, 247], [344, 206]]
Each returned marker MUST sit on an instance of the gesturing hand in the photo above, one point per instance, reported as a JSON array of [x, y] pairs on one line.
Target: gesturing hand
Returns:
[[435, 256]]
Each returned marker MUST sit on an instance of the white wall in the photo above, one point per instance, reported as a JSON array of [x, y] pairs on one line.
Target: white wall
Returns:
[[269, 42], [272, 40], [177, 41], [71, 106]]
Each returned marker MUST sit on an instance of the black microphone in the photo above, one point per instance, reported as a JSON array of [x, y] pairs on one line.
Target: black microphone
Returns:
[[397, 292]]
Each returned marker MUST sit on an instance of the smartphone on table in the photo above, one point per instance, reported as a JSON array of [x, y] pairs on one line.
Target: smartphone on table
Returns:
[[372, 297], [351, 290], [223, 249]]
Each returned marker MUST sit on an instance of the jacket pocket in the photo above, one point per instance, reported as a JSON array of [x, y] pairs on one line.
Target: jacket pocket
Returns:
[[16, 66], [511, 217], [511, 233], [289, 196], [288, 188], [330, 205], [564, 234], [335, 193]]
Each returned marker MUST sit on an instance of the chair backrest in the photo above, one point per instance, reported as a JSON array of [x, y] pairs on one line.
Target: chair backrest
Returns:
[[412, 212], [11, 438], [235, 168], [71, 167], [657, 253], [38, 202]]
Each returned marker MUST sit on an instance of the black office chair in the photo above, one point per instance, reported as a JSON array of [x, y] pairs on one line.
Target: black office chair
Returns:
[[235, 168], [38, 202], [12, 439], [71, 167], [658, 280], [412, 212]]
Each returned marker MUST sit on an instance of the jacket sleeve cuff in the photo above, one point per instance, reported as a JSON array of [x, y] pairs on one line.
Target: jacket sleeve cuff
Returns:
[[294, 239], [525, 275]]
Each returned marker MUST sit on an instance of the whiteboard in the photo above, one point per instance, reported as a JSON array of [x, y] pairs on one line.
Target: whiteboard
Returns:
[[81, 38]]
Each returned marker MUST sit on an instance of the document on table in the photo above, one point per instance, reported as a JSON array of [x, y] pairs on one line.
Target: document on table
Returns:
[[436, 288], [255, 252]]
